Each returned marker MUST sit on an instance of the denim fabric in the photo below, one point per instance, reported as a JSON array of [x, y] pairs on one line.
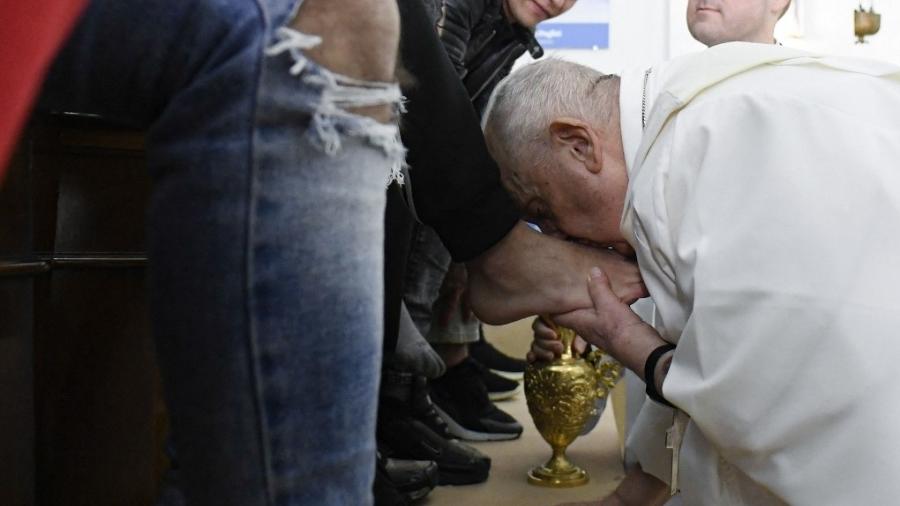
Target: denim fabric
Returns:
[[425, 269], [265, 239]]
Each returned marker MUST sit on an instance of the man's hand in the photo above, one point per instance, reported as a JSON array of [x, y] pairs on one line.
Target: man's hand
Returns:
[[612, 325], [546, 345], [608, 320], [529, 273]]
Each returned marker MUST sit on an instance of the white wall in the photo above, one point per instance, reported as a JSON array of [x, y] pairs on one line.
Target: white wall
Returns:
[[643, 32], [638, 35], [827, 25]]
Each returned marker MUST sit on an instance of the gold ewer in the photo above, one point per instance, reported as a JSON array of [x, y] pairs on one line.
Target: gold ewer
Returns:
[[561, 397]]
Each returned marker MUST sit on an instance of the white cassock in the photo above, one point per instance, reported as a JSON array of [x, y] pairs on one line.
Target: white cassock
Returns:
[[764, 205]]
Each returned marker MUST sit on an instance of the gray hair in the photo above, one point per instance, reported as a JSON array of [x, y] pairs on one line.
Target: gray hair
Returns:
[[524, 104]]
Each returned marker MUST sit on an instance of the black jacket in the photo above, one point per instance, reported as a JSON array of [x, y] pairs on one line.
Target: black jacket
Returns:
[[482, 44], [455, 182]]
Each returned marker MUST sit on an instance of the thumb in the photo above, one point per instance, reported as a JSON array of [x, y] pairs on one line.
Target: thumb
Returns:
[[600, 293], [599, 289]]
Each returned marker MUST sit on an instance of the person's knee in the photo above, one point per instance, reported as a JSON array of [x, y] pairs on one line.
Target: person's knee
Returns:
[[359, 40]]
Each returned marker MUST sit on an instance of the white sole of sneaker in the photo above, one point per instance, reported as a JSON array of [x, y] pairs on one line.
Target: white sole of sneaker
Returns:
[[515, 376], [470, 435], [499, 396]]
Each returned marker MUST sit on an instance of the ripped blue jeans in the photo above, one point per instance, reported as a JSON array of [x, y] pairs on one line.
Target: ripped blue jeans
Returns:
[[264, 231]]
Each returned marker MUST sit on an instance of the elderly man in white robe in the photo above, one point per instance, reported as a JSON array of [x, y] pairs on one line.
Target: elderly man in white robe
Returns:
[[757, 187], [710, 22]]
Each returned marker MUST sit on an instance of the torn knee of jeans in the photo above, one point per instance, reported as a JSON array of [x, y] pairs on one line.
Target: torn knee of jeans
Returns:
[[333, 119]]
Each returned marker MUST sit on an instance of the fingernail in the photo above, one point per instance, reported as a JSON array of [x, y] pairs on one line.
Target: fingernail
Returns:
[[596, 272]]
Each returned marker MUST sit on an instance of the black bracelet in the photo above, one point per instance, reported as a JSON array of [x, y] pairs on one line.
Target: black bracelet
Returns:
[[650, 370]]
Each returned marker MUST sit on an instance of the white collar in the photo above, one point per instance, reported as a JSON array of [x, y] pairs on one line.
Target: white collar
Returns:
[[636, 100]]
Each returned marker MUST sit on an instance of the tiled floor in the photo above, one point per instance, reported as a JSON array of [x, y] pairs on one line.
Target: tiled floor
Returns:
[[598, 453]]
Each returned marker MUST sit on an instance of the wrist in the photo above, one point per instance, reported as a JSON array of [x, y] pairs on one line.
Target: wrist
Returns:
[[652, 367], [662, 369], [632, 344]]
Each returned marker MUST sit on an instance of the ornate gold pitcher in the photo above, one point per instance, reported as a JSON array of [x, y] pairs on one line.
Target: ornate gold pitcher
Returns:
[[561, 398]]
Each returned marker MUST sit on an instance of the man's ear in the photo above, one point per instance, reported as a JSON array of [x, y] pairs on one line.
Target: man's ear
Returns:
[[576, 137]]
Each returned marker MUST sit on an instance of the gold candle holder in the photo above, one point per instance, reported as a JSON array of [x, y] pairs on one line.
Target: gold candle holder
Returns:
[[561, 397], [865, 23]]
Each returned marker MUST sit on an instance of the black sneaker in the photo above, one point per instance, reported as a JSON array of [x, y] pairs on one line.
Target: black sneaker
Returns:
[[498, 387], [461, 399], [457, 463], [413, 478], [497, 361], [384, 490], [422, 409], [410, 428], [399, 482]]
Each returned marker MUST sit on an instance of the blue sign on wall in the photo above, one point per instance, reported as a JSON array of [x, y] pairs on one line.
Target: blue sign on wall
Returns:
[[585, 26], [573, 35]]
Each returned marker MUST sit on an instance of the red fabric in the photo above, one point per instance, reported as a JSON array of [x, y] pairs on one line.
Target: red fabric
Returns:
[[31, 31]]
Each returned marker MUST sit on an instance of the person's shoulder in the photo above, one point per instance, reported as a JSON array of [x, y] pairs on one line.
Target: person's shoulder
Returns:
[[689, 75], [473, 11]]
